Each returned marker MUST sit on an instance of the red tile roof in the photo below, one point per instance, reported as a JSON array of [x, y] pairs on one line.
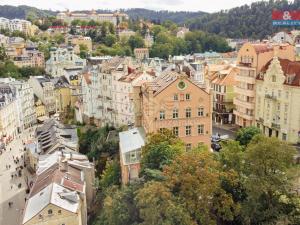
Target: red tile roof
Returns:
[[289, 68], [261, 48], [72, 179]]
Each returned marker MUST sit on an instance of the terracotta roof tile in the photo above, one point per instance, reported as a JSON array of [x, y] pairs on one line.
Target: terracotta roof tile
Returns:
[[261, 48], [289, 68]]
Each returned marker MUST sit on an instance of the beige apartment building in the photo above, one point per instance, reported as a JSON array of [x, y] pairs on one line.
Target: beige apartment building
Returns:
[[43, 88], [141, 53], [175, 102], [221, 80], [113, 18], [277, 110], [251, 59]]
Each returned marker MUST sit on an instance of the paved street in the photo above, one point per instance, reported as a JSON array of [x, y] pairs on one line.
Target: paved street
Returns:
[[229, 130], [9, 190]]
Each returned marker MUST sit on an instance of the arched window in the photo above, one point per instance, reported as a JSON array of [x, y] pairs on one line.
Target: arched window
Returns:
[[50, 212]]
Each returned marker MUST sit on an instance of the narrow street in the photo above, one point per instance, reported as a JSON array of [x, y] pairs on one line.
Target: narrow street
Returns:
[[225, 129], [10, 181]]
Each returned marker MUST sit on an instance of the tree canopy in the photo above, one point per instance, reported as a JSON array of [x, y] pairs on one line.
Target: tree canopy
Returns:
[[250, 184]]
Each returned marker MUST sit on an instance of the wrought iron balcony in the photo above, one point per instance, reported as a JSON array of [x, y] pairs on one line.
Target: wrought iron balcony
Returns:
[[275, 126]]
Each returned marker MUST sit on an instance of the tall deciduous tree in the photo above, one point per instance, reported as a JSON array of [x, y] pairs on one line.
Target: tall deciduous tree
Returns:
[[267, 163], [195, 179], [160, 150], [158, 206], [136, 41], [245, 135]]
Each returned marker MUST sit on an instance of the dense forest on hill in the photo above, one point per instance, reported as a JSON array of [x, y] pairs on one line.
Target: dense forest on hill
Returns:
[[160, 16], [248, 21], [23, 11]]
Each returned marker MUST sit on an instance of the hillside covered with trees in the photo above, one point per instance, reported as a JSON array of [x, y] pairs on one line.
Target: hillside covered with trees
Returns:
[[160, 16], [23, 12], [248, 21]]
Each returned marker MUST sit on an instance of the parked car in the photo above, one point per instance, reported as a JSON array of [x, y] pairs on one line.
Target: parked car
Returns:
[[215, 138], [216, 146]]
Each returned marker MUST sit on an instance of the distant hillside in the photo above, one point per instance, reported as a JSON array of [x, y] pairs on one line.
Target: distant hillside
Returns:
[[23, 11], [177, 17], [248, 21]]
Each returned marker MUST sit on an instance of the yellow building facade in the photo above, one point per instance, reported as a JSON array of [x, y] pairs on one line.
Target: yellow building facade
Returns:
[[63, 98], [39, 108], [278, 100], [251, 59]]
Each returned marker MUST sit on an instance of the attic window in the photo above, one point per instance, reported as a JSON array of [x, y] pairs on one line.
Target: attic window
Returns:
[[289, 79]]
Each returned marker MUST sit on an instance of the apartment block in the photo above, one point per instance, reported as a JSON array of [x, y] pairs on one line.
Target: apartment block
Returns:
[[250, 61], [43, 88], [175, 102], [277, 110], [221, 82], [113, 18]]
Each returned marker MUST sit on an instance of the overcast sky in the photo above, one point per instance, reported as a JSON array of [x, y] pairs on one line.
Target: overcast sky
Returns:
[[174, 5]]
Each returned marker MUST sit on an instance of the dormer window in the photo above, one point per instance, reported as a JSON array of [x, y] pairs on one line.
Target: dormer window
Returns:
[[289, 79]]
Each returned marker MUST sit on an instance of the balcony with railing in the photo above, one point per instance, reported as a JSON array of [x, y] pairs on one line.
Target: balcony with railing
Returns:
[[245, 79], [244, 91], [272, 97], [218, 110], [244, 104], [275, 125], [247, 116]]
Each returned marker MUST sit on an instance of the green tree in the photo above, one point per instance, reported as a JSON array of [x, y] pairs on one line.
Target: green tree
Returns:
[[157, 205], [268, 161], [161, 50], [59, 38], [160, 150], [83, 51], [136, 41], [110, 40], [245, 135], [76, 22], [3, 55], [195, 180], [45, 48], [111, 175], [156, 29], [119, 207]]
